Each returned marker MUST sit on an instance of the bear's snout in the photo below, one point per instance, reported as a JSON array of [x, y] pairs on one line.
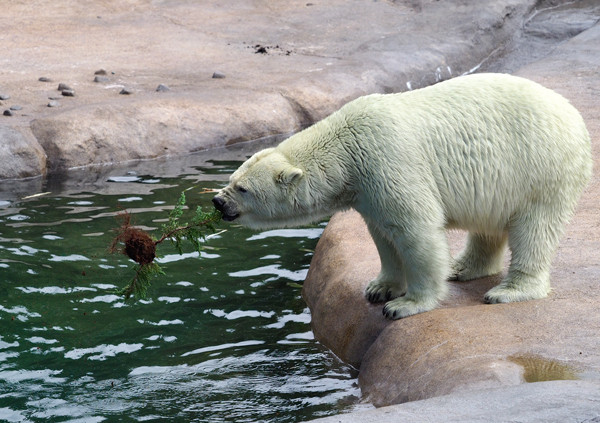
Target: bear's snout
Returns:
[[224, 208], [219, 203]]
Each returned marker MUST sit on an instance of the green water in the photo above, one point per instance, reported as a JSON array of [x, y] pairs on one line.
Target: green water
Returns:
[[222, 337]]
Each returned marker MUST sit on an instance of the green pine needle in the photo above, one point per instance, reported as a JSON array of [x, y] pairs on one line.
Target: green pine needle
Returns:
[[138, 286]]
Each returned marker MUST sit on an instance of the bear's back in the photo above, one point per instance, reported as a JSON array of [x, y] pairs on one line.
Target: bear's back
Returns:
[[489, 142]]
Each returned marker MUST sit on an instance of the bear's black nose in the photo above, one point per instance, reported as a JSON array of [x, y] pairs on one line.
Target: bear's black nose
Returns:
[[219, 203]]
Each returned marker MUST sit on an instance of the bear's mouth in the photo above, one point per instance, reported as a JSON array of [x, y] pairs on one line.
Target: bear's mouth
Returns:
[[230, 217]]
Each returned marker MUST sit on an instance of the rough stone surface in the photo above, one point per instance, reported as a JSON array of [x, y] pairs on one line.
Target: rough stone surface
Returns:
[[20, 153], [315, 58], [548, 402], [466, 345]]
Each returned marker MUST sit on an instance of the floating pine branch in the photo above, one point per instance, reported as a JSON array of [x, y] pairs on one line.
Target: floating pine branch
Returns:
[[139, 246]]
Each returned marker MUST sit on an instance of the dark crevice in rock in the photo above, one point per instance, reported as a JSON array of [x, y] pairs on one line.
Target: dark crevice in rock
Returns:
[[305, 117]]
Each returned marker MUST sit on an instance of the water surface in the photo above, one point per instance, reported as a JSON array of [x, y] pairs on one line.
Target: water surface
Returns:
[[224, 336]]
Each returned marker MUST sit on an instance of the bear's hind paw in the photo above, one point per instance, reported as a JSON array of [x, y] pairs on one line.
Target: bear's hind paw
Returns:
[[519, 287], [461, 272]]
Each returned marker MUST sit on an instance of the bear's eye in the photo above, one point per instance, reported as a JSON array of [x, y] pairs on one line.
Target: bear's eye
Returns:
[[241, 189]]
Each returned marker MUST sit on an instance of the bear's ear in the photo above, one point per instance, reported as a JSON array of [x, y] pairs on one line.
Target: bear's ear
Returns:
[[289, 175]]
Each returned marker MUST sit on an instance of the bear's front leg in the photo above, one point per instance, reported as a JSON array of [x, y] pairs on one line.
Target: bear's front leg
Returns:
[[426, 258], [390, 283]]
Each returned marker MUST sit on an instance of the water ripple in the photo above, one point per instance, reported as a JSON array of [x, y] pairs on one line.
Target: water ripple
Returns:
[[309, 233], [104, 351], [70, 257], [222, 347], [238, 314], [162, 322], [272, 269], [21, 312], [53, 290], [18, 376]]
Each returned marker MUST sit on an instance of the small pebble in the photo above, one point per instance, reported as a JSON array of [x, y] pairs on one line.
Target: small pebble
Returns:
[[162, 87], [44, 79], [16, 107], [218, 75], [100, 78], [126, 91], [8, 112], [62, 87], [100, 72], [53, 103], [68, 93], [4, 97]]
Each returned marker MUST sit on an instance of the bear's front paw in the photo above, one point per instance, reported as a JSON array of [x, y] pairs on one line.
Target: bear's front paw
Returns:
[[379, 291], [404, 307]]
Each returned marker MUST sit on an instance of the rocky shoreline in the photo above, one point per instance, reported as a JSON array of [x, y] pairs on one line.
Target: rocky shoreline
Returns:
[[235, 72]]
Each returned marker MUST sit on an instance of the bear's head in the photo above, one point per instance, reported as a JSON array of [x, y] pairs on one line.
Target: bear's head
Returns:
[[265, 192]]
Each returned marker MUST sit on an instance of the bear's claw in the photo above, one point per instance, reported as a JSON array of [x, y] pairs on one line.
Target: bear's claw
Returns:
[[378, 291], [404, 307]]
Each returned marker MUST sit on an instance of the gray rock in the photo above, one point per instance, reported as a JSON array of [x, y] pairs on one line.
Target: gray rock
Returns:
[[21, 156], [151, 127], [8, 112], [162, 88], [4, 97], [53, 103], [101, 78], [100, 72], [16, 107], [44, 79], [68, 93], [126, 91], [62, 87], [218, 75], [548, 402]]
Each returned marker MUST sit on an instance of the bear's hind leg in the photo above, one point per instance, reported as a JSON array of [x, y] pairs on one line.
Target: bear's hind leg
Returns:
[[533, 238], [427, 264], [390, 282], [483, 256]]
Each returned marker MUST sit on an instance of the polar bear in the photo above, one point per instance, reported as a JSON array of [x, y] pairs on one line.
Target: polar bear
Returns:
[[497, 155]]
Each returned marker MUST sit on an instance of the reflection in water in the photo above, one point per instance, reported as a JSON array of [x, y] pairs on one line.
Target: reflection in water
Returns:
[[540, 369], [224, 336]]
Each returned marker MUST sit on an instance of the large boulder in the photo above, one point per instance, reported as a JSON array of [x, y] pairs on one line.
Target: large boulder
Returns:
[[130, 129], [21, 156]]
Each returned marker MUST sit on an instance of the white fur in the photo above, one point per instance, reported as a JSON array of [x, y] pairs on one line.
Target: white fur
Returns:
[[497, 155]]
